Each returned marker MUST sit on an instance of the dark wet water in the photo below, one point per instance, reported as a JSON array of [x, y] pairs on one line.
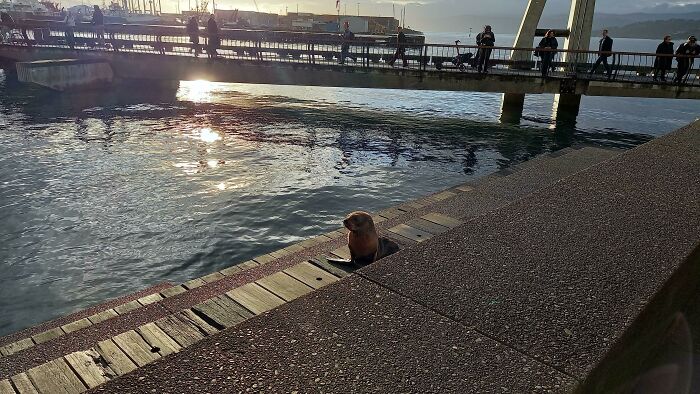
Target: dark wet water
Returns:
[[105, 194]]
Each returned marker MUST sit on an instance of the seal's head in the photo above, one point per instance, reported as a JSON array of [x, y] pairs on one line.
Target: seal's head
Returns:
[[359, 221]]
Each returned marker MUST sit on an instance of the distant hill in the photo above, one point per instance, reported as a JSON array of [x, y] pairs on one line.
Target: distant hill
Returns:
[[679, 29], [509, 24]]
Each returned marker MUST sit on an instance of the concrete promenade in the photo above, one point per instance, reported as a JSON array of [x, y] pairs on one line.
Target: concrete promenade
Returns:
[[575, 286]]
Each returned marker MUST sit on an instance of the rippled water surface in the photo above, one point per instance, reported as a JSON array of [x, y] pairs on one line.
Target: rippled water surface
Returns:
[[102, 194]]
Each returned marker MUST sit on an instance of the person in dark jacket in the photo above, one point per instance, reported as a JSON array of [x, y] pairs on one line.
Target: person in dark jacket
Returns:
[[214, 39], [400, 48], [6, 26], [689, 51], [549, 43], [347, 37], [193, 32], [98, 21], [604, 48], [663, 63], [485, 39]]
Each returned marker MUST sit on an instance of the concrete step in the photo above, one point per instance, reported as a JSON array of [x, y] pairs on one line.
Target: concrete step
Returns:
[[403, 224]]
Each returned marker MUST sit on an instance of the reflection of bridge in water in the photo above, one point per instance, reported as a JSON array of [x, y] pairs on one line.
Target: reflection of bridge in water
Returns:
[[263, 57]]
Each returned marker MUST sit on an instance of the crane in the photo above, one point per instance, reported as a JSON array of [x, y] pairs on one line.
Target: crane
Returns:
[[256, 6]]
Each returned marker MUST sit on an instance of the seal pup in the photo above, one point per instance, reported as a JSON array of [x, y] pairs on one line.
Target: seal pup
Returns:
[[363, 240]]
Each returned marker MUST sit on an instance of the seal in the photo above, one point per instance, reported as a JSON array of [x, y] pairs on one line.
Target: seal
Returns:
[[365, 245]]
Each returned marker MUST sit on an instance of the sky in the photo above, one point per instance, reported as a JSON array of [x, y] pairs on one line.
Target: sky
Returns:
[[431, 8]]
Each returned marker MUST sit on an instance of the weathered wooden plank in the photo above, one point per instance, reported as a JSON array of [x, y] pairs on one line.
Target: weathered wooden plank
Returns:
[[411, 233], [246, 265], [150, 299], [264, 259], [444, 196], [18, 346], [173, 291], [116, 359], [136, 348], [22, 384], [390, 213], [255, 298], [442, 220], [223, 310], [194, 283], [86, 365], [189, 315], [76, 325], [284, 286], [230, 271], [343, 252], [399, 239], [6, 387], [340, 271], [335, 234], [102, 316], [427, 226], [183, 332], [47, 335], [311, 275], [55, 377], [278, 253], [213, 277], [157, 338], [128, 307], [465, 188]]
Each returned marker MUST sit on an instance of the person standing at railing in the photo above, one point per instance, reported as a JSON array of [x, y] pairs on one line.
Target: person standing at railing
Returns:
[[550, 44], [485, 40], [347, 37], [98, 21], [663, 63], [70, 29], [6, 26], [605, 47], [193, 32], [400, 48], [213, 37], [689, 50]]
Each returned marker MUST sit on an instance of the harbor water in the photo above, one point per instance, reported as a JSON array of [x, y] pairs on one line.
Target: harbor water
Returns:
[[106, 193]]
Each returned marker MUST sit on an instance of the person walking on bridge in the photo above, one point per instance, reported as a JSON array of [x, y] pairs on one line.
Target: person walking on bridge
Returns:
[[193, 32], [663, 63], [549, 43], [213, 37], [70, 29], [485, 40], [688, 50], [605, 47], [98, 21], [6, 26], [400, 48], [347, 38]]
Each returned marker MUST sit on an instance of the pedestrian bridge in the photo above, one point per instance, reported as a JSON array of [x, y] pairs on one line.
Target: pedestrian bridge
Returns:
[[263, 57]]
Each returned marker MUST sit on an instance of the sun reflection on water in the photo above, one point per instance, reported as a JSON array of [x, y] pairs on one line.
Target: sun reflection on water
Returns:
[[199, 91]]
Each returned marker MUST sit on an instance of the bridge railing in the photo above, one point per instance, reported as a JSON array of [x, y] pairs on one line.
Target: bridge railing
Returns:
[[321, 49]]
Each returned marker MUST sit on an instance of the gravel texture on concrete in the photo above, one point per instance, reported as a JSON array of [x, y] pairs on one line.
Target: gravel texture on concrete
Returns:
[[352, 337], [563, 273], [28, 332]]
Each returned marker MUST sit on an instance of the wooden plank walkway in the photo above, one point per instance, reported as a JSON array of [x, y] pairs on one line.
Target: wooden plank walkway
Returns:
[[125, 352]]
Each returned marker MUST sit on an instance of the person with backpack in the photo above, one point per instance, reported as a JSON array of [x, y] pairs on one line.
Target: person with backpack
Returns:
[[484, 40], [549, 43]]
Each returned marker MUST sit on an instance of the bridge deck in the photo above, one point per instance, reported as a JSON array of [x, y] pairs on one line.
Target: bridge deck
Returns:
[[268, 60]]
